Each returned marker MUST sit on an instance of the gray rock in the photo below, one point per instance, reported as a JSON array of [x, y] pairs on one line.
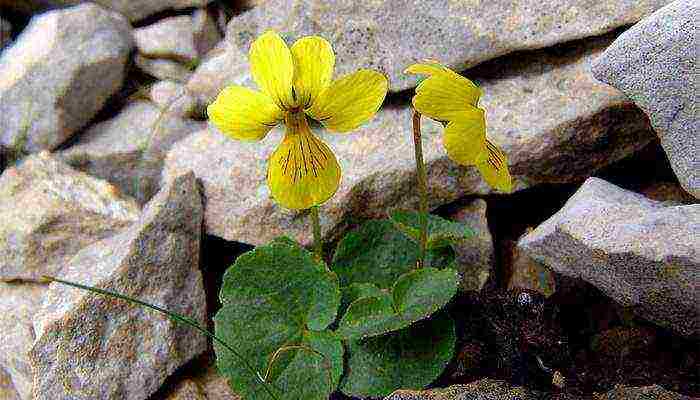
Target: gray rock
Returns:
[[526, 273], [214, 385], [475, 255], [170, 38], [18, 304], [134, 10], [489, 389], [390, 35], [543, 108], [163, 69], [128, 150], [50, 211], [58, 74], [173, 97], [5, 31], [655, 63], [224, 65], [642, 253], [186, 389], [90, 346], [205, 30]]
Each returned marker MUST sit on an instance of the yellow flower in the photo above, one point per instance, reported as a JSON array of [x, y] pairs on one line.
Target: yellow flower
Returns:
[[296, 84], [450, 98]]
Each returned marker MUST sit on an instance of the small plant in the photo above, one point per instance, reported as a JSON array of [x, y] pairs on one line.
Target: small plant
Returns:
[[371, 321]]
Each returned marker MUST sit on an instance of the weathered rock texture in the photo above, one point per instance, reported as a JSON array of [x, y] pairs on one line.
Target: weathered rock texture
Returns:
[[656, 64], [58, 74], [642, 253], [162, 68], [555, 122], [18, 303], [390, 35], [5, 31], [128, 150], [90, 346], [171, 38], [475, 255], [173, 97], [50, 211]]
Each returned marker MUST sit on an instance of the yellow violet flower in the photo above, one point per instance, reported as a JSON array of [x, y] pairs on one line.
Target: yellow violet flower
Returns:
[[296, 84], [450, 98]]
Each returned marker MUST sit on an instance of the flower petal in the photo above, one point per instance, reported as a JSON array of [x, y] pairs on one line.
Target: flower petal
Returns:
[[272, 68], [350, 101], [465, 136], [493, 166], [313, 68], [243, 113], [302, 172], [441, 96]]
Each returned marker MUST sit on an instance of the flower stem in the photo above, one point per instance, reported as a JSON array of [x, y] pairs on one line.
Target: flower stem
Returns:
[[318, 243], [422, 188], [176, 317]]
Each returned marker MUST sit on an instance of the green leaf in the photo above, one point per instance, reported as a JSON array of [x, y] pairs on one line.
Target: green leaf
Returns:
[[415, 296], [408, 359], [356, 291], [441, 232], [276, 302]]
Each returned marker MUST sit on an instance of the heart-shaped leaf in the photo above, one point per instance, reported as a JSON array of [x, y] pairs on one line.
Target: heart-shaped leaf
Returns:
[[277, 301], [441, 232], [410, 358], [415, 296]]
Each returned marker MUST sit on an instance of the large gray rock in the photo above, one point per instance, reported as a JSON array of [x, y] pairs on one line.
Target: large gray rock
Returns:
[[163, 69], [655, 63], [645, 254], [475, 255], [390, 35], [171, 38], [134, 10], [543, 108], [128, 150], [50, 211], [89, 346], [18, 304], [58, 74], [173, 97]]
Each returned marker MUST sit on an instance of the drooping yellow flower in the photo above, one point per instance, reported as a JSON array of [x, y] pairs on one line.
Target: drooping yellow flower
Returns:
[[450, 98], [296, 84]]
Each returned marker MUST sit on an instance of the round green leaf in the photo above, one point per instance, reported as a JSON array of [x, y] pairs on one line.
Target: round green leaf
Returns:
[[410, 358], [441, 232]]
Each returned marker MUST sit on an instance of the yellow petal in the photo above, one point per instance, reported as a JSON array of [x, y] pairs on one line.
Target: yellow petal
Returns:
[[244, 114], [272, 68], [441, 96], [313, 68], [350, 101], [465, 136], [429, 67], [302, 172], [493, 166]]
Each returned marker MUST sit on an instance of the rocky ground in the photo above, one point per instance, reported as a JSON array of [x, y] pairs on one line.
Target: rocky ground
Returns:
[[582, 284]]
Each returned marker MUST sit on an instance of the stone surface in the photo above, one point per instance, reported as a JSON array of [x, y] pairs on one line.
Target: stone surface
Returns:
[[390, 35], [50, 211], [215, 386], [205, 30], [173, 97], [476, 255], [170, 38], [5, 31], [58, 74], [655, 63], [134, 10], [224, 65], [128, 150], [90, 346], [163, 69], [186, 390], [18, 303], [488, 389], [543, 108], [642, 253], [526, 273], [669, 192]]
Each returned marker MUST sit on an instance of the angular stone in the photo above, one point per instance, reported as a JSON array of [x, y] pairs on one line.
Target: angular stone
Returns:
[[58, 74], [544, 108], [655, 63], [173, 97], [205, 30], [526, 273], [640, 252], [390, 35], [18, 304], [475, 255], [186, 390], [215, 386], [90, 346], [163, 69], [668, 192], [128, 150], [50, 211], [170, 38], [224, 65]]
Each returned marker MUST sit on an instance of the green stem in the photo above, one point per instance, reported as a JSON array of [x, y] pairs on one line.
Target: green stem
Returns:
[[174, 316], [422, 188], [318, 243]]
